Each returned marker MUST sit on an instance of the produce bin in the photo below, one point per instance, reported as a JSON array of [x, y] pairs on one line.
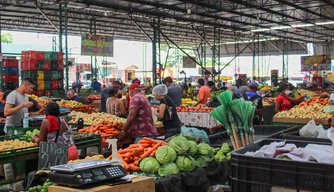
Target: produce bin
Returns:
[[253, 174], [20, 130], [264, 131]]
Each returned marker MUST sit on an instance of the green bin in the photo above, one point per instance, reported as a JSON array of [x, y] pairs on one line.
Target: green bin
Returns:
[[55, 93], [19, 130], [47, 85], [54, 75]]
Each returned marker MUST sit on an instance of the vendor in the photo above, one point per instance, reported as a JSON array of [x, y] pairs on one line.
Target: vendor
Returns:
[[54, 129], [212, 86], [256, 100], [17, 103], [96, 86], [72, 96], [105, 95], [115, 104], [207, 75], [204, 92], [283, 101], [140, 119], [172, 126], [174, 91]]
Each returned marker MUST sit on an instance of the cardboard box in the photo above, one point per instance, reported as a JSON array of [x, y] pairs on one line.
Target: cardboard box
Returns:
[[300, 120], [139, 184]]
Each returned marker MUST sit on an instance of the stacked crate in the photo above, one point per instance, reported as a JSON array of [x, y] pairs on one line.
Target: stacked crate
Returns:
[[10, 74], [47, 69]]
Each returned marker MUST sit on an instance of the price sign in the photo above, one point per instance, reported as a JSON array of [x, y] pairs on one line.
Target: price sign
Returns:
[[51, 154]]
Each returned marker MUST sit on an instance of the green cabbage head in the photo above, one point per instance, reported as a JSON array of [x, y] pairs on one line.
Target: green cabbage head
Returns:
[[203, 161], [165, 154], [149, 165], [205, 150], [192, 151], [168, 169], [185, 163], [179, 144]]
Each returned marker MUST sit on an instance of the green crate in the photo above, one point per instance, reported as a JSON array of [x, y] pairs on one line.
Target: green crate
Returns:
[[62, 92], [55, 93], [47, 56], [31, 74], [54, 56], [47, 85], [54, 75], [19, 130]]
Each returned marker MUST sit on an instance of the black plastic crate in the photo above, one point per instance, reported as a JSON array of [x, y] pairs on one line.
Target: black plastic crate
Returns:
[[257, 174], [9, 86], [264, 131]]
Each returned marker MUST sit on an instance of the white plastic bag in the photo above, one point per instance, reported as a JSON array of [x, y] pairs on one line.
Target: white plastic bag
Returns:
[[330, 135], [310, 129]]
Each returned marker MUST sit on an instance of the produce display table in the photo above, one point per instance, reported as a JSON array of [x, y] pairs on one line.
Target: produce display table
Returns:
[[198, 119], [139, 184]]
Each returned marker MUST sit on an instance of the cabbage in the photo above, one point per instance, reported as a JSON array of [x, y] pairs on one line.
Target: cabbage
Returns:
[[205, 150], [185, 164], [179, 144], [168, 169], [149, 165], [165, 154], [192, 151], [203, 161]]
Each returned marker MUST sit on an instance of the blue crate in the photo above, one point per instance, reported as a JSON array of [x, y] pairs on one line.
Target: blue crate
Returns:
[[10, 70]]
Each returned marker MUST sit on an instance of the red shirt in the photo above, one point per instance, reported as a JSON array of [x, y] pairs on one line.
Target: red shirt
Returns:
[[285, 103], [144, 124], [204, 93]]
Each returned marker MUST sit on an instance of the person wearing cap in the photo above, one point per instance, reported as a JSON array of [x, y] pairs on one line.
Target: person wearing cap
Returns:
[[207, 75], [140, 118], [174, 91], [256, 99], [172, 124]]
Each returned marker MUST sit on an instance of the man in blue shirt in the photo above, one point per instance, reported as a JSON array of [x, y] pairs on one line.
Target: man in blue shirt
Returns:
[[96, 86], [256, 99], [71, 96]]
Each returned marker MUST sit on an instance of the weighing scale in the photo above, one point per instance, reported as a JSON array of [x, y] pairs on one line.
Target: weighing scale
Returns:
[[85, 173], [89, 172]]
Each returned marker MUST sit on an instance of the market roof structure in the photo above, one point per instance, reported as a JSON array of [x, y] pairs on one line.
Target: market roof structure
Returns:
[[186, 22]]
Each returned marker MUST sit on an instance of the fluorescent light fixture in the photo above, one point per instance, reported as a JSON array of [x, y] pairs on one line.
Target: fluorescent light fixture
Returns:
[[325, 23], [280, 27], [304, 25], [260, 30], [241, 42]]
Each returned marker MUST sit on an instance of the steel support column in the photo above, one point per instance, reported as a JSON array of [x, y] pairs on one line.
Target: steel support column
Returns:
[[60, 27], [285, 58], [255, 67], [92, 30], [154, 53], [214, 52], [203, 52], [66, 45]]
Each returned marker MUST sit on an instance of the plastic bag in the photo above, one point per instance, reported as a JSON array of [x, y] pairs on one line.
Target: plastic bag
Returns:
[[190, 131], [330, 135], [310, 129]]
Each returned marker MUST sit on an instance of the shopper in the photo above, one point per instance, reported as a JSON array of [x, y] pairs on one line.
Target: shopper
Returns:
[[17, 103], [212, 86], [239, 89], [283, 101], [105, 95], [167, 111], [115, 105], [54, 129], [72, 96], [204, 92], [96, 86], [207, 75], [256, 99], [140, 119], [74, 85], [79, 86], [174, 91]]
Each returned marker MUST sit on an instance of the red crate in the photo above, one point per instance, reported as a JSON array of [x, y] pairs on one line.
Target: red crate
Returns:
[[29, 65], [33, 93], [10, 63], [47, 65], [10, 78], [48, 93], [32, 55], [60, 56], [40, 93], [54, 85], [60, 65]]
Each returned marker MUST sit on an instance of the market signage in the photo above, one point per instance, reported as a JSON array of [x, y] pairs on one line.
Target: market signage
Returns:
[[274, 77], [316, 63], [188, 62], [97, 45], [51, 154]]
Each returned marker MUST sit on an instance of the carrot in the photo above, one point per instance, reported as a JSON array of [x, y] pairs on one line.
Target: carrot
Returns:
[[136, 162], [136, 159], [134, 168], [147, 153], [133, 146], [144, 142], [153, 153], [151, 140], [110, 157], [125, 164], [126, 155], [145, 145], [125, 151]]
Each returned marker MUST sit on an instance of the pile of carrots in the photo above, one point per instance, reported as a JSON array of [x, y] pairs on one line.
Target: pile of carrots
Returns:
[[314, 100], [106, 130], [131, 156]]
